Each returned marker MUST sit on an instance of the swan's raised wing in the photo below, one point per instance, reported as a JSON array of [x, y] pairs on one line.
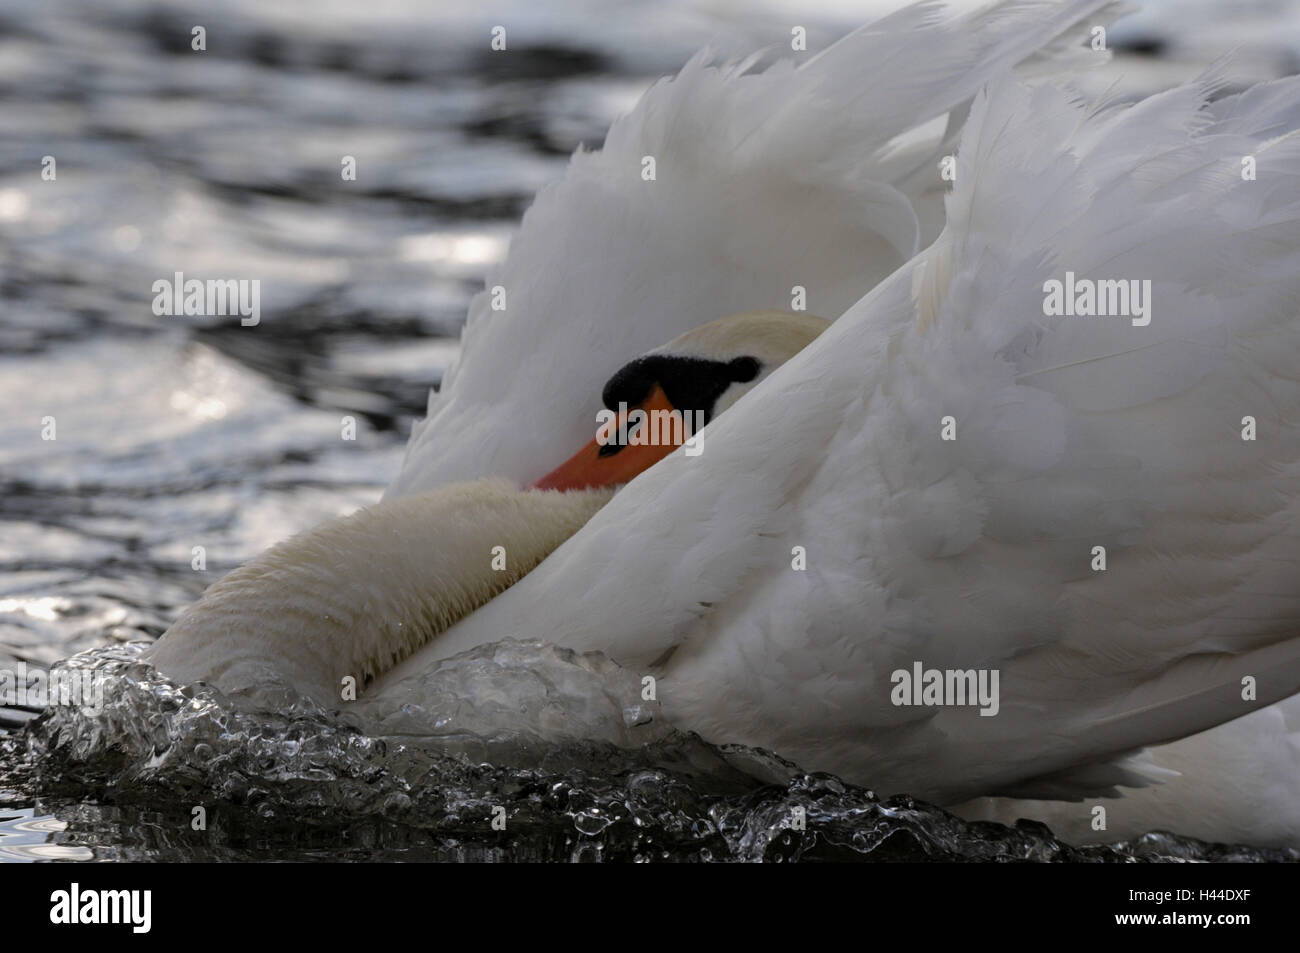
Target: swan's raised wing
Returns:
[[981, 552], [795, 176]]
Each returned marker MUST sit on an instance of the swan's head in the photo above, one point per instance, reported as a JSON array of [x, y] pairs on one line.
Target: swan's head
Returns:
[[677, 389]]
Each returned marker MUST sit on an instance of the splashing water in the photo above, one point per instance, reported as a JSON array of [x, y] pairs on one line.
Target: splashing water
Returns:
[[557, 747]]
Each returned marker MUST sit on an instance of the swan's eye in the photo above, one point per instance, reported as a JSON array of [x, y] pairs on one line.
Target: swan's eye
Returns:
[[743, 369], [609, 449]]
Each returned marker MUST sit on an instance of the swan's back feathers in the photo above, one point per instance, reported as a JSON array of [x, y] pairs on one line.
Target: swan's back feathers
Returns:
[[762, 182], [1084, 432]]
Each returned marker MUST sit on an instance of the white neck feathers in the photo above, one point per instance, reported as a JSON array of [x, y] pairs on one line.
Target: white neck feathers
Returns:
[[356, 595]]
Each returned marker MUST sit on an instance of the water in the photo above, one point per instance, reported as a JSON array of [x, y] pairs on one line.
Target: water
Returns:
[[306, 783], [179, 442]]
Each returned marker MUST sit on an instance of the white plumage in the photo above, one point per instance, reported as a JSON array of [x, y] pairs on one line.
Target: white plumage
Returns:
[[1072, 433], [355, 595], [823, 177]]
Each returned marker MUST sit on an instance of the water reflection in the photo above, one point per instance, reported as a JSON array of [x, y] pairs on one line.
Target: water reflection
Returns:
[[26, 836]]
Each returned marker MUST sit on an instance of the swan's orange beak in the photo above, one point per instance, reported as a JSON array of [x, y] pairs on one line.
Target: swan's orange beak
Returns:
[[610, 463]]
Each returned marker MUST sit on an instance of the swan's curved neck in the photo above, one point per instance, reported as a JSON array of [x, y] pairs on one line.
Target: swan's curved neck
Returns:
[[355, 596]]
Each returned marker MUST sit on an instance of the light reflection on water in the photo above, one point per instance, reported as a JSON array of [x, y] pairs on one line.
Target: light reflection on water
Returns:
[[26, 836]]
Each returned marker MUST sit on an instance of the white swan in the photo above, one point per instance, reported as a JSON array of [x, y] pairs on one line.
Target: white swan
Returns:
[[345, 602], [975, 553]]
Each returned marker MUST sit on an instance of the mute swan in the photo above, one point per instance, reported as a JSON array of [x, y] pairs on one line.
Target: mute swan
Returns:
[[1170, 444], [830, 535], [343, 603], [853, 202]]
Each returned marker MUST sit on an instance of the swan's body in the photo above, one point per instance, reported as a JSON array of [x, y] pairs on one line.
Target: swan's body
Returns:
[[973, 553]]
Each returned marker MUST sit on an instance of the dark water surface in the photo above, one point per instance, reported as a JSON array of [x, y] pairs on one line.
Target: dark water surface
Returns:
[[174, 433]]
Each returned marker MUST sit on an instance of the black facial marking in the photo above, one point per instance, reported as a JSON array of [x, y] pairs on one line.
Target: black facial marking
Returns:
[[689, 383]]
